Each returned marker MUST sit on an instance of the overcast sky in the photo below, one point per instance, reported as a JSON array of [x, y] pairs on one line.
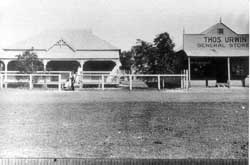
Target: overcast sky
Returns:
[[120, 22]]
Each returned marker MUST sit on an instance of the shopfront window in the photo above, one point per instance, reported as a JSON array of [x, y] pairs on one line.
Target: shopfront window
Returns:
[[239, 68]]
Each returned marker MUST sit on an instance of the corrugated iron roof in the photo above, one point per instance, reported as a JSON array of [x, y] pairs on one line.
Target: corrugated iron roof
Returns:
[[76, 39], [65, 54]]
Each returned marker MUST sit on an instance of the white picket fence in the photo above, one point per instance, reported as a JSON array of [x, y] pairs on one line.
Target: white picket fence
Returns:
[[101, 80], [88, 78], [31, 80], [64, 74]]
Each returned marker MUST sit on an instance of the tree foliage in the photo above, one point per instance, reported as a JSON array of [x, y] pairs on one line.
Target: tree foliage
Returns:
[[144, 53], [165, 55], [127, 60], [158, 57], [28, 62]]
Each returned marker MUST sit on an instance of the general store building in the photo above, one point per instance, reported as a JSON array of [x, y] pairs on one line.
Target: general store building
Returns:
[[218, 55]]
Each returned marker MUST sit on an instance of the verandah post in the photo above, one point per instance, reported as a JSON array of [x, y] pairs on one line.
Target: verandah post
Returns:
[[228, 72], [189, 72]]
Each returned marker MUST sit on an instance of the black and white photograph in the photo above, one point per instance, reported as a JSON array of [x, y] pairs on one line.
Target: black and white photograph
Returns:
[[130, 82]]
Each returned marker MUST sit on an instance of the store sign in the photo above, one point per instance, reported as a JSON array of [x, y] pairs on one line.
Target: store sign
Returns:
[[223, 42], [236, 42]]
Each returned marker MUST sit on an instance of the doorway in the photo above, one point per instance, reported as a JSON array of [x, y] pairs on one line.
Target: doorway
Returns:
[[221, 70]]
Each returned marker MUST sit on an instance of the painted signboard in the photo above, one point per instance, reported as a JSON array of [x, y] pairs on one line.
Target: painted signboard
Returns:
[[216, 42], [224, 42], [217, 37]]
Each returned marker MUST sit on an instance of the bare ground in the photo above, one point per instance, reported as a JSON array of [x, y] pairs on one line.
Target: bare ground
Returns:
[[199, 123]]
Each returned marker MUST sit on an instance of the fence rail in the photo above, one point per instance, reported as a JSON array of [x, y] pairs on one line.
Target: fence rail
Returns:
[[130, 81], [64, 74], [30, 80]]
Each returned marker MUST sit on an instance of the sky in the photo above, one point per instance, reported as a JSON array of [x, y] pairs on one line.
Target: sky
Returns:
[[119, 22]]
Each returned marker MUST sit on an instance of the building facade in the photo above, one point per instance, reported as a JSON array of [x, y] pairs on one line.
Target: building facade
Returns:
[[66, 50], [218, 55]]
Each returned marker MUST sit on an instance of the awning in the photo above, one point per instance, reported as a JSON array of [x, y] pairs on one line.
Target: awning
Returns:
[[217, 53]]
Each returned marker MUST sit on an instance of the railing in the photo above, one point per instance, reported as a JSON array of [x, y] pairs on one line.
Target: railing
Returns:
[[159, 81], [64, 74], [30, 80], [130, 81]]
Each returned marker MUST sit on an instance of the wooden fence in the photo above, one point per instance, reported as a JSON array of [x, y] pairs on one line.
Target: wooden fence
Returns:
[[101, 80], [30, 79], [64, 74]]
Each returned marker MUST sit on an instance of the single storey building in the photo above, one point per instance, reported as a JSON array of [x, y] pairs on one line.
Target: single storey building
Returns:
[[217, 56], [65, 50]]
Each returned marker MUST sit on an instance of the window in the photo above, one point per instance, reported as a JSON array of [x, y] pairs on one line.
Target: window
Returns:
[[239, 68], [220, 31]]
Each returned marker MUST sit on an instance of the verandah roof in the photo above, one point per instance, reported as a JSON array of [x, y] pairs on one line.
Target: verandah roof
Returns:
[[217, 53]]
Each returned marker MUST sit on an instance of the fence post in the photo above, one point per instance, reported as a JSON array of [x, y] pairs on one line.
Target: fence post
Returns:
[[30, 83], [102, 82], [187, 79], [81, 80], [59, 82], [1, 81], [159, 82], [130, 83], [163, 83], [182, 80], [5, 80]]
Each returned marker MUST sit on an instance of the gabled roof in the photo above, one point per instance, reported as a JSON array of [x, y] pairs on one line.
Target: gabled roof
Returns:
[[74, 39], [62, 43], [220, 24], [211, 44]]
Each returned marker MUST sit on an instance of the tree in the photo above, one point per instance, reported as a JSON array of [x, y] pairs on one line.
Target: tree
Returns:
[[144, 51], [158, 57], [165, 56], [127, 60], [28, 62]]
